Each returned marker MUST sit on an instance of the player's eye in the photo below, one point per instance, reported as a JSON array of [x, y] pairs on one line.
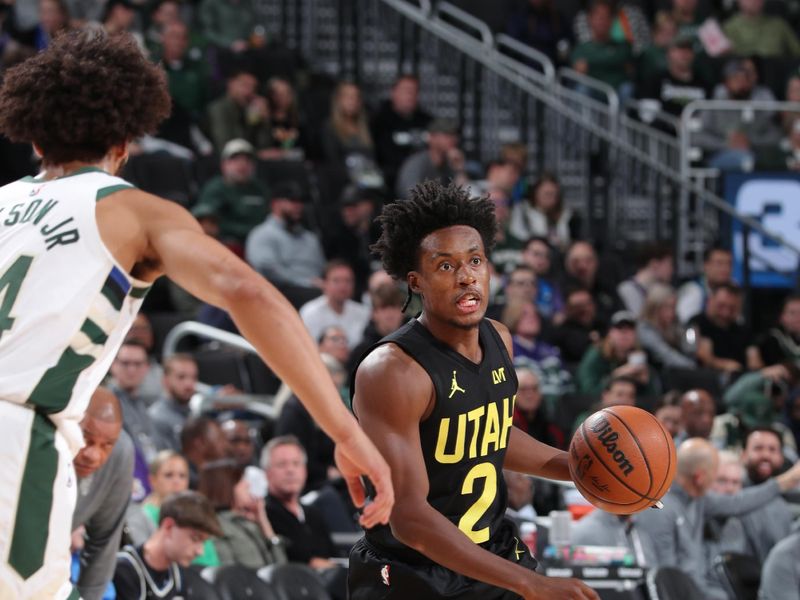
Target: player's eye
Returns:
[[476, 260], [446, 267]]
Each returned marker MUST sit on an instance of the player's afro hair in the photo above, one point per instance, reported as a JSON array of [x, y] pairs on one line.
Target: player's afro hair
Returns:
[[88, 91], [429, 207]]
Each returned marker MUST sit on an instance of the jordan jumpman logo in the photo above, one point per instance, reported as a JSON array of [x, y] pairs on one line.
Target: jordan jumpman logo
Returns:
[[454, 387]]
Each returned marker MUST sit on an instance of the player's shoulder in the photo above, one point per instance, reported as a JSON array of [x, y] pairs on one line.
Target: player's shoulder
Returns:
[[503, 332], [388, 360]]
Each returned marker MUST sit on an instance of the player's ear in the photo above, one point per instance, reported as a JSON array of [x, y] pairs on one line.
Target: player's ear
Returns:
[[413, 282]]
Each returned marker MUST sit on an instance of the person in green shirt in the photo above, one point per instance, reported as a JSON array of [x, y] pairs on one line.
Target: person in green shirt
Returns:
[[189, 82], [753, 33], [237, 200]]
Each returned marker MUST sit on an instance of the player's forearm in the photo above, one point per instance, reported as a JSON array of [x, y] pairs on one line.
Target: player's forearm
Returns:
[[526, 454], [433, 535]]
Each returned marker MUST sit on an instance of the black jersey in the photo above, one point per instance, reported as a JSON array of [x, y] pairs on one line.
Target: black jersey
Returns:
[[465, 437]]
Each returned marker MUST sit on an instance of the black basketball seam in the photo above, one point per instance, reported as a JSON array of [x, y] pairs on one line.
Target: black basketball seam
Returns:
[[638, 445], [602, 462], [669, 462]]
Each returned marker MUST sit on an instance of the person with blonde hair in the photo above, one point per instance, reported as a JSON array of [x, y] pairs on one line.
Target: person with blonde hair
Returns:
[[659, 331], [347, 130]]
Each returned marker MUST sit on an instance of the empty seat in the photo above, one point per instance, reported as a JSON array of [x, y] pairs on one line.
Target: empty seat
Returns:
[[294, 582], [235, 582], [741, 573], [669, 583], [197, 588], [163, 175]]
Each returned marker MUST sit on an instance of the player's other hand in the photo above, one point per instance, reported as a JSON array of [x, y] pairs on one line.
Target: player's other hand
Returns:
[[355, 456], [547, 588]]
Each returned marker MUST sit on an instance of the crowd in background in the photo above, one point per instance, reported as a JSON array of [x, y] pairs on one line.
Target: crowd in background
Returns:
[[290, 173]]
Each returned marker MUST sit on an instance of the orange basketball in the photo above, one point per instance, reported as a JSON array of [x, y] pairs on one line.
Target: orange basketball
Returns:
[[622, 459]]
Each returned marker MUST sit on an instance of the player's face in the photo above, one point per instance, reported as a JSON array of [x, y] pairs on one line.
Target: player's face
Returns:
[[99, 439], [183, 544], [454, 276], [762, 455], [286, 472], [172, 477]]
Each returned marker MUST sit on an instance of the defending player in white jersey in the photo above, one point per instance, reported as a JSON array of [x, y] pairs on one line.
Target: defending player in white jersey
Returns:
[[79, 248]]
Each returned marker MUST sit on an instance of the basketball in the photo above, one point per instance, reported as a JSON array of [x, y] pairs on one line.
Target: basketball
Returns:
[[622, 459]]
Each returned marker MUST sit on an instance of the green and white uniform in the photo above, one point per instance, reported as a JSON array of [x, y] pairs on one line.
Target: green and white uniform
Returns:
[[65, 307]]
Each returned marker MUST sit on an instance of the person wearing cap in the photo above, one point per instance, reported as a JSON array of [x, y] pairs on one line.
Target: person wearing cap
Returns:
[[284, 251], [752, 33], [237, 200], [442, 160], [617, 355], [155, 569], [679, 84]]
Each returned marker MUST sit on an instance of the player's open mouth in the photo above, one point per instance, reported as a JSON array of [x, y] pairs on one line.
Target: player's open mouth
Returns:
[[468, 303]]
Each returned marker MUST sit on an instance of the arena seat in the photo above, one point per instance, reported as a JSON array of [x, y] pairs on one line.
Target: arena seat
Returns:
[[196, 587], [669, 583], [163, 175], [741, 574], [235, 582], [294, 582]]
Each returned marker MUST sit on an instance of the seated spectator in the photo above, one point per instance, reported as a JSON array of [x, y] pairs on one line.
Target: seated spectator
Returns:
[[723, 343], [142, 331], [580, 328], [247, 537], [654, 265], [398, 128], [284, 251], [169, 414], [441, 161], [600, 528], [780, 575], [544, 215], [602, 57], [540, 25], [789, 117], [617, 355], [581, 270], [284, 114], [240, 436], [387, 316], [520, 497], [188, 77], [237, 200], [154, 570], [687, 15], [104, 467], [692, 295], [349, 234], [529, 414], [335, 306], [652, 61], [781, 343], [678, 83], [54, 19], [697, 415], [659, 332], [240, 114], [333, 341], [227, 25], [520, 287], [537, 254], [618, 391], [120, 16], [668, 411], [202, 441], [307, 538], [752, 33], [525, 327], [346, 132], [628, 25], [725, 533], [161, 14], [783, 157]]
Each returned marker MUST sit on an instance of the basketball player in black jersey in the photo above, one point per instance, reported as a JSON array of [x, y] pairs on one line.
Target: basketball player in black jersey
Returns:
[[437, 398]]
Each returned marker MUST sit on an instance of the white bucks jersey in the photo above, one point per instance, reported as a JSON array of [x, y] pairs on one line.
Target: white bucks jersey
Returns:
[[65, 304]]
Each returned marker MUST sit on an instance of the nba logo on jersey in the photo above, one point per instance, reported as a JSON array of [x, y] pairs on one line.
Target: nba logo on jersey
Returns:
[[385, 574]]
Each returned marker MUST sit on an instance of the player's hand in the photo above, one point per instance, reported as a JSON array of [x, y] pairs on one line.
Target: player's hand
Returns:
[[355, 456], [546, 588]]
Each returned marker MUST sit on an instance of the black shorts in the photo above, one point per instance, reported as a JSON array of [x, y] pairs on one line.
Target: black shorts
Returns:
[[376, 576]]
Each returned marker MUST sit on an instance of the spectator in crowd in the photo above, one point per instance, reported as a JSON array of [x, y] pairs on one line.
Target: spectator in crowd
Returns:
[[752, 33], [202, 442], [284, 115], [792, 94], [627, 24], [189, 82], [525, 326], [120, 16], [654, 265], [677, 529], [540, 24], [441, 161], [780, 576], [544, 215], [679, 83], [581, 265], [240, 113], [171, 412], [54, 19], [247, 538], [520, 287], [333, 341], [161, 14], [308, 538], [346, 132], [502, 176], [781, 343], [652, 61], [687, 15], [520, 497], [350, 233], [697, 415], [335, 306], [785, 156], [723, 343], [668, 411], [399, 127], [537, 254], [284, 251], [618, 391], [104, 467], [154, 570], [227, 24], [237, 200], [581, 327], [600, 528], [692, 295], [142, 331], [791, 416], [617, 355], [602, 57], [128, 370], [387, 317], [529, 414], [240, 438], [772, 520], [659, 332]]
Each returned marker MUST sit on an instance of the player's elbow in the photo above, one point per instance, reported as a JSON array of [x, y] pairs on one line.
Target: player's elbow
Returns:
[[409, 527]]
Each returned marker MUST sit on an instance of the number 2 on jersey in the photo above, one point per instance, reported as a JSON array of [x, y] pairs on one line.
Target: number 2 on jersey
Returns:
[[10, 284], [466, 523]]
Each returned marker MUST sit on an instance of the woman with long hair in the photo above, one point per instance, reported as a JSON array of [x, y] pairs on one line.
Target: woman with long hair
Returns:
[[544, 215], [347, 131], [659, 330]]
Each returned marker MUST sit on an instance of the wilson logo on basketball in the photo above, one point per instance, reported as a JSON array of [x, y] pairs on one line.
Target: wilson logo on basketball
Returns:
[[608, 438]]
